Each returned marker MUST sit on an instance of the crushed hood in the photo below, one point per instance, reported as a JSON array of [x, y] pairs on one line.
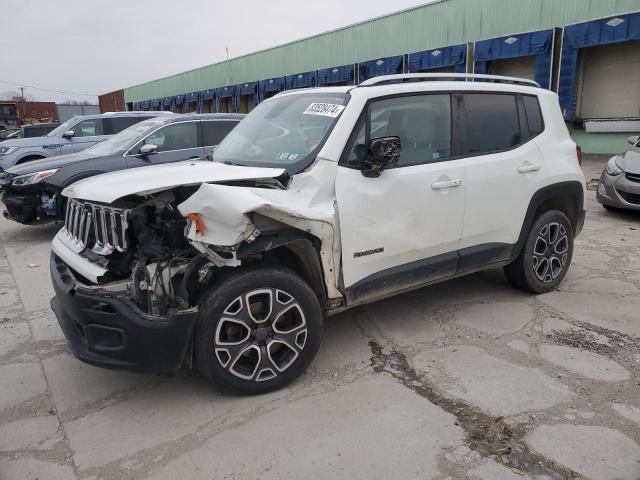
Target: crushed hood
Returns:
[[109, 187]]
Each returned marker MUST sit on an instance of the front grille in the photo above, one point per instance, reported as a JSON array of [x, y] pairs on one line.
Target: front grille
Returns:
[[634, 177], [99, 227], [633, 198]]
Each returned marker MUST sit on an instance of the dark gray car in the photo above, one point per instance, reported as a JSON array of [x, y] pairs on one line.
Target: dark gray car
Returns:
[[619, 185], [32, 190]]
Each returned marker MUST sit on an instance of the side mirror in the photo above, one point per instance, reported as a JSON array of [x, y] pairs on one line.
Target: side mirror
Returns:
[[382, 152], [148, 149], [69, 134], [634, 140]]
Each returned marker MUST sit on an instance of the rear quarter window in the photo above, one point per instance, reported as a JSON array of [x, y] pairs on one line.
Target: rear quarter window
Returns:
[[533, 114]]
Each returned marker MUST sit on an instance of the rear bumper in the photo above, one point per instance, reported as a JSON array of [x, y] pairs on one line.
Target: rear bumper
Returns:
[[107, 330]]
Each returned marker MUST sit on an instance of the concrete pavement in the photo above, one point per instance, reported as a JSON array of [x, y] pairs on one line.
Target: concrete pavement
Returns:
[[467, 379]]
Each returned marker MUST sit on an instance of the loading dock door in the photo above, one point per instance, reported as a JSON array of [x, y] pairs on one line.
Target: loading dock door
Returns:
[[609, 81], [521, 67]]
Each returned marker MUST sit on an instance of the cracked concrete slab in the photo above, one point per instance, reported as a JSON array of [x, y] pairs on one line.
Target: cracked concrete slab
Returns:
[[489, 382], [495, 318], [45, 327], [587, 364], [601, 310], [369, 441], [25, 468], [27, 432], [403, 322], [12, 335], [599, 453], [75, 384], [145, 420], [20, 382], [628, 411]]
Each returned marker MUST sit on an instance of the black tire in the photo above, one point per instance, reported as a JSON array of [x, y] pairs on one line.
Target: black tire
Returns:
[[553, 231], [265, 359]]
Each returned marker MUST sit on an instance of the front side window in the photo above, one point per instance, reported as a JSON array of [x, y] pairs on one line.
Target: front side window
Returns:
[[284, 132], [177, 136], [119, 124], [89, 128], [492, 123], [422, 122]]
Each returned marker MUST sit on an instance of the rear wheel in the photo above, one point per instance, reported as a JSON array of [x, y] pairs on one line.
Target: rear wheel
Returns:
[[546, 255], [258, 330]]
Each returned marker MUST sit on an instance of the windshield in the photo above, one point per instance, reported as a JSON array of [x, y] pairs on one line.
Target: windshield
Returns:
[[60, 129], [283, 132], [127, 137]]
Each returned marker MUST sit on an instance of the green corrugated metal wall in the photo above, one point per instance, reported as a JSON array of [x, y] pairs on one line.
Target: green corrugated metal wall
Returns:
[[438, 24]]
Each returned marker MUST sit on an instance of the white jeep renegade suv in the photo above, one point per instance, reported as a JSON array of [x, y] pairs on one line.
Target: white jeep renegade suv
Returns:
[[319, 201]]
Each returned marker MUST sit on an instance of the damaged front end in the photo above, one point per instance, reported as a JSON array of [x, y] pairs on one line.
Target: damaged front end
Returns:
[[30, 206], [135, 269]]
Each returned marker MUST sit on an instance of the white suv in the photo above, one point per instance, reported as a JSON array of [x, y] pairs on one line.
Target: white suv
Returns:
[[319, 201]]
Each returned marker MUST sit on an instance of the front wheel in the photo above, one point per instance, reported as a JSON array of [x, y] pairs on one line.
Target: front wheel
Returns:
[[258, 329], [546, 255]]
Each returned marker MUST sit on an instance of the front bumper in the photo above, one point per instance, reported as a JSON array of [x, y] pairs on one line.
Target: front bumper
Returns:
[[107, 330], [619, 191], [21, 208]]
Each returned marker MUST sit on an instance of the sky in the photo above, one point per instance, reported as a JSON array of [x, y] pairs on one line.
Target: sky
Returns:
[[97, 46]]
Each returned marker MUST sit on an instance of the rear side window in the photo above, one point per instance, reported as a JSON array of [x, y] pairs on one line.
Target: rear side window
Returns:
[[492, 123], [214, 132], [120, 123], [534, 115]]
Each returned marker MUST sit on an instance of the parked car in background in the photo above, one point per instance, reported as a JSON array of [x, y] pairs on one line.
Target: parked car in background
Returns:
[[619, 185], [319, 201], [9, 133], [32, 190], [71, 136], [38, 129]]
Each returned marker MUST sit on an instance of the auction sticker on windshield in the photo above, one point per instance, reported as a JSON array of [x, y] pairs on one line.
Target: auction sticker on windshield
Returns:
[[325, 109]]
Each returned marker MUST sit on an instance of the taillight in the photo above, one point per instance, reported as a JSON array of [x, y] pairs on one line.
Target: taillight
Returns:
[[579, 154]]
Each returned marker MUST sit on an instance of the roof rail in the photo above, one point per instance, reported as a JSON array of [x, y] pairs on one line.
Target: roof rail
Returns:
[[406, 77]]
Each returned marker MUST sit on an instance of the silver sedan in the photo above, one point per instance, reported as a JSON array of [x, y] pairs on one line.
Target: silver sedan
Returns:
[[619, 185]]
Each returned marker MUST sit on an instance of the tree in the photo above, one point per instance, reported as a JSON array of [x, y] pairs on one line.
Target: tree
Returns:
[[15, 96]]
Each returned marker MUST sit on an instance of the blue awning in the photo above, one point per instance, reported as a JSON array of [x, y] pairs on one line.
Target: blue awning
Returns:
[[620, 28], [167, 100], [452, 56], [136, 106], [538, 44], [250, 88], [208, 94], [226, 92], [179, 99], [301, 80], [192, 97], [382, 66], [271, 85], [145, 104], [155, 103], [330, 76]]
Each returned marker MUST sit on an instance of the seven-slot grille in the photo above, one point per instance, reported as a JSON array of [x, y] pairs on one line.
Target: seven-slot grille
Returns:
[[633, 198], [99, 227]]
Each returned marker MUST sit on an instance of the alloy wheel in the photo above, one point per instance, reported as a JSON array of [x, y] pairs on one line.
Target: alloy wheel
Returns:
[[260, 334], [550, 252]]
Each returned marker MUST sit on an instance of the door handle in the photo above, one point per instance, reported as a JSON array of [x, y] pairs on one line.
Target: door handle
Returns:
[[455, 182], [529, 167]]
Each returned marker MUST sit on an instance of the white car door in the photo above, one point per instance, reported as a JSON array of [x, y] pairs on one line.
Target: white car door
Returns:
[[503, 168], [401, 229]]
